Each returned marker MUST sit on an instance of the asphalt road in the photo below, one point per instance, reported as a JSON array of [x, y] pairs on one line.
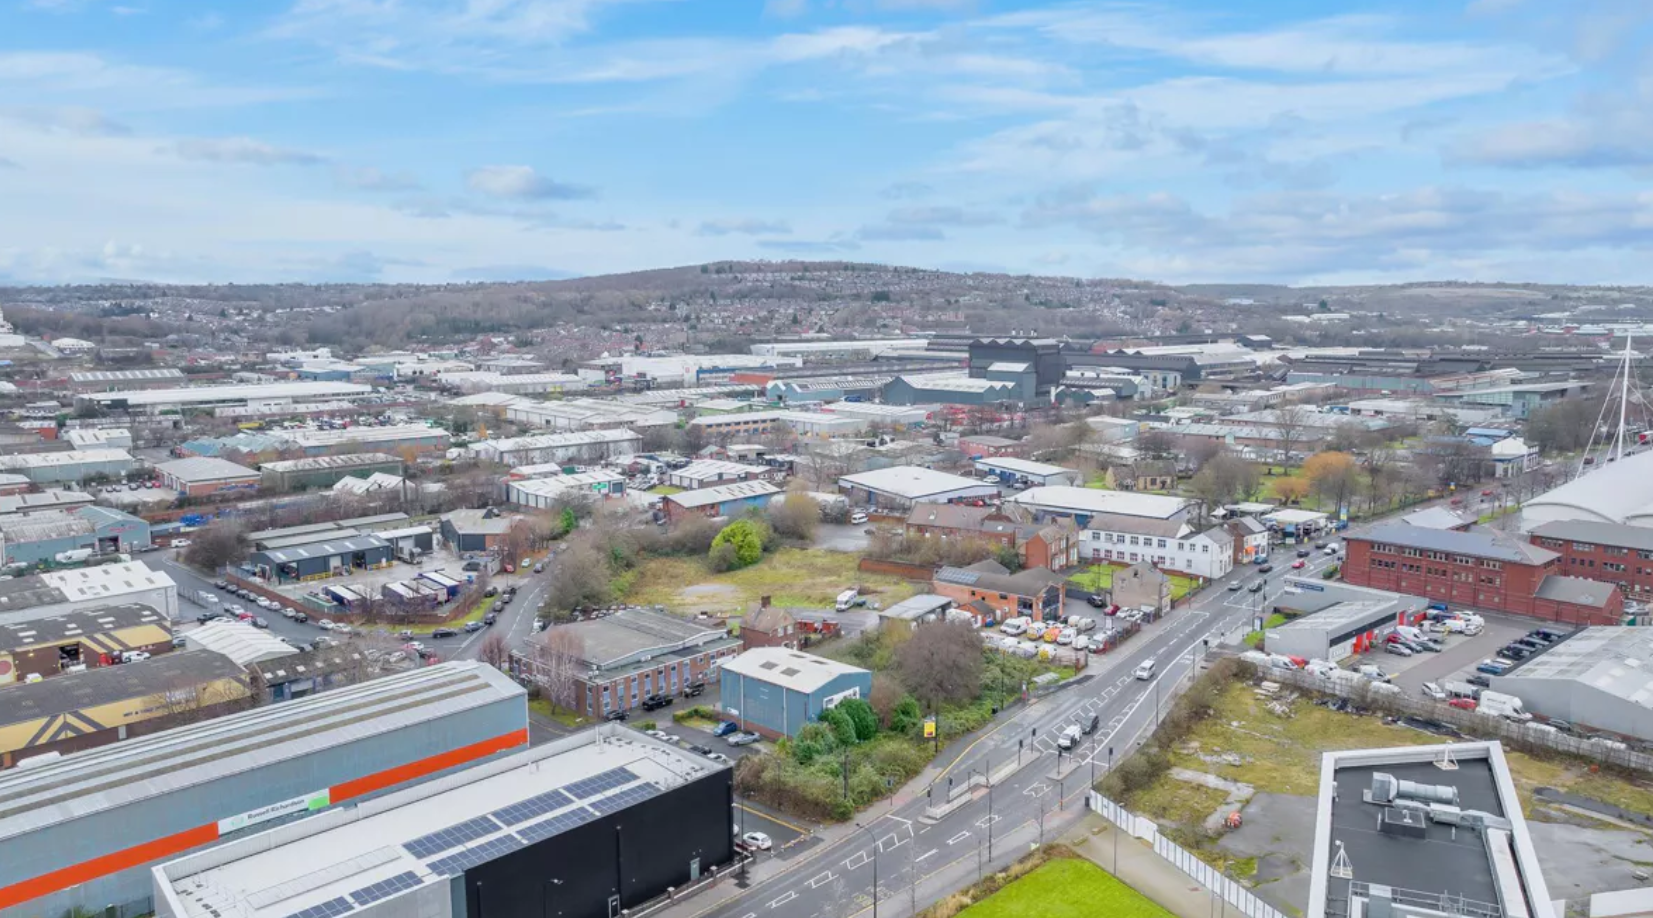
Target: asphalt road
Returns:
[[918, 860]]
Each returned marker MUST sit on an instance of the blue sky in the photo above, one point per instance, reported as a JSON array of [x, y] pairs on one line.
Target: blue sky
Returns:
[[443, 140]]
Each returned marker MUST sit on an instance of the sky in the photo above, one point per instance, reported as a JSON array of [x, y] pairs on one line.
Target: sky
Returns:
[[1280, 141]]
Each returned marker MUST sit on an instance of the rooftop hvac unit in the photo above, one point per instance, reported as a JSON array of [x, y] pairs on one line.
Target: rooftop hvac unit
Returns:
[[1386, 789]]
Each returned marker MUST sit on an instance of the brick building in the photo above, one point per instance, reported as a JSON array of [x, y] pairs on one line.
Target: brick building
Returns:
[[1054, 545], [768, 627], [1603, 552], [1480, 569], [987, 446], [613, 663], [1037, 592]]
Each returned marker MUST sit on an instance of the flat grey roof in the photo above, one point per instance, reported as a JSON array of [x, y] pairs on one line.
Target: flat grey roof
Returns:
[[1575, 590], [77, 626], [112, 776], [1477, 542], [1444, 862], [1611, 659], [327, 549], [1343, 615], [108, 684], [1614, 534], [610, 640], [205, 468]]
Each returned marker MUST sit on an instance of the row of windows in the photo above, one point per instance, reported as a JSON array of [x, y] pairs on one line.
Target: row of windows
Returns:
[[1120, 538], [1466, 560], [1613, 550]]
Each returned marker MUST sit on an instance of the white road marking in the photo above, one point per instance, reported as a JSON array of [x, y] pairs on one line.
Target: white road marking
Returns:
[[825, 876], [859, 859], [905, 822], [782, 900], [988, 820], [959, 837], [926, 854]]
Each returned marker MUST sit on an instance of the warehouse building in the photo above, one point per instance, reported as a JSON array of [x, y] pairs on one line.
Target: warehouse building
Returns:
[[394, 438], [1599, 678], [324, 471], [242, 643], [146, 378], [1617, 492], [98, 437], [205, 476], [775, 691], [1040, 473], [116, 531], [82, 831], [897, 416], [71, 465], [333, 557], [41, 537], [588, 414], [730, 500], [545, 493], [932, 389], [1081, 504], [1335, 621], [576, 446], [515, 383], [75, 641], [161, 401], [37, 596], [107, 704], [476, 530], [599, 823], [1420, 831], [625, 657], [898, 487], [743, 425], [704, 473], [41, 501]]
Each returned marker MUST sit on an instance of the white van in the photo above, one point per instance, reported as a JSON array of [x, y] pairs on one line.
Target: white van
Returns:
[[1145, 671], [1070, 736], [1014, 626], [846, 599]]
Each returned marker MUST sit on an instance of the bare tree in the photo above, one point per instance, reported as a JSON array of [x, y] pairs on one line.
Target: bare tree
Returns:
[[494, 651], [217, 545], [796, 514], [1289, 424], [558, 661], [942, 664]]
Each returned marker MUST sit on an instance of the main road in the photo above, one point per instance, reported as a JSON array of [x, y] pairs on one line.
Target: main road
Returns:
[[906, 860]]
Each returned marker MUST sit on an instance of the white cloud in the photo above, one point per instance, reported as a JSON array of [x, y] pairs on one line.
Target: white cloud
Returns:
[[243, 151], [743, 226], [522, 183], [372, 178], [49, 78], [72, 120]]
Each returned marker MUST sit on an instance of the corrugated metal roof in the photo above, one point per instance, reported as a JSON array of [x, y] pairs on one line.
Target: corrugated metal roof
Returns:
[[324, 549], [789, 669]]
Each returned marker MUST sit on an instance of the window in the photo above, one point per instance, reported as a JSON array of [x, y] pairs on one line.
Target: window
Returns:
[[1205, 549], [1580, 546], [1493, 565], [1617, 552], [1161, 543], [1612, 566]]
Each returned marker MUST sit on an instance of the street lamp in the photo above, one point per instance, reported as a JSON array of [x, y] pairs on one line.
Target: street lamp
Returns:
[[874, 838]]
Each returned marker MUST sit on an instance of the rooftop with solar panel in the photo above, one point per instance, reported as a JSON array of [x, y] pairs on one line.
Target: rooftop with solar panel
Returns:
[[414, 842], [1423, 831]]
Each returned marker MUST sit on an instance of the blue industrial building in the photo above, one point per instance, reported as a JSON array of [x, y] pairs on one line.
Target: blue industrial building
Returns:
[[80, 833], [730, 500], [775, 691]]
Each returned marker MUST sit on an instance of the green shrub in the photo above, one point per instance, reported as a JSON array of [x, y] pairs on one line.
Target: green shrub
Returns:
[[907, 716], [861, 716], [747, 538], [843, 729]]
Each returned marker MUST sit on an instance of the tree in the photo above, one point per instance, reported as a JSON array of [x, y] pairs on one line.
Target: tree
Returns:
[[1333, 476], [581, 579], [795, 515], [1290, 490], [746, 539], [906, 716], [942, 663], [843, 729], [1157, 444], [217, 545], [1224, 478], [557, 661], [1289, 423], [861, 715], [494, 651]]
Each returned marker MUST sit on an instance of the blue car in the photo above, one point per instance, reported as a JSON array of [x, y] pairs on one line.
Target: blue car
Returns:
[[724, 729], [1491, 669]]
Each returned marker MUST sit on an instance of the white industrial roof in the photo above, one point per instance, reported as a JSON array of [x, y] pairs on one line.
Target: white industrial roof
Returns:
[[705, 497], [106, 580], [344, 860], [557, 484], [1611, 493], [196, 394], [1067, 499], [712, 468], [240, 642], [910, 482], [311, 438], [960, 383], [205, 468], [789, 669], [66, 457], [1024, 466], [552, 441]]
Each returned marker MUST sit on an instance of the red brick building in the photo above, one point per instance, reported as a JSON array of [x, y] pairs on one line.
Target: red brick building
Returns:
[[1037, 592], [1055, 545], [768, 627], [1604, 552], [986, 446], [1478, 569]]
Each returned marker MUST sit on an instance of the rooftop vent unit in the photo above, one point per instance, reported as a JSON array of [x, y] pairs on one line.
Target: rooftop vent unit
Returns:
[[1387, 789]]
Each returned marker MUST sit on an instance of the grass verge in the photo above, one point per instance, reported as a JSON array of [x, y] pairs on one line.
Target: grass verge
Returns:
[[544, 708], [1066, 887], [790, 577]]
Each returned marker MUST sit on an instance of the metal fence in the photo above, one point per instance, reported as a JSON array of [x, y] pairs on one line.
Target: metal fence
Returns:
[[1232, 892], [1525, 736]]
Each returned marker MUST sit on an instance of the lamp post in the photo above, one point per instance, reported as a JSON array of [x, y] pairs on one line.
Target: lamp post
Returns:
[[1115, 869], [874, 838]]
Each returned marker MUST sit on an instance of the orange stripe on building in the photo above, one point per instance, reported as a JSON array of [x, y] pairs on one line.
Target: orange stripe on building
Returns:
[[431, 765], [160, 848]]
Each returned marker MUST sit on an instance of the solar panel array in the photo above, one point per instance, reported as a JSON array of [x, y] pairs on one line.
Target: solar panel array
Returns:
[[534, 806], [452, 837], [329, 909], [617, 802], [470, 857], [557, 824], [385, 888], [599, 783]]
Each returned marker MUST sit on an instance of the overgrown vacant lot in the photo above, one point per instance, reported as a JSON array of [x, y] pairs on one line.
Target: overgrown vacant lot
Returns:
[[790, 577], [1066, 888]]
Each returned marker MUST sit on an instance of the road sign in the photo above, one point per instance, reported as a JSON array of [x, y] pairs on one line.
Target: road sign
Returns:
[[930, 728]]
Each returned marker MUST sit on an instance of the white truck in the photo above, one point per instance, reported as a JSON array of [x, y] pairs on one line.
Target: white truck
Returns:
[[1499, 704], [72, 556]]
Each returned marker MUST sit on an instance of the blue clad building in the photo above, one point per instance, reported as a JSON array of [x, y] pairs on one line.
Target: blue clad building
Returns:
[[775, 691]]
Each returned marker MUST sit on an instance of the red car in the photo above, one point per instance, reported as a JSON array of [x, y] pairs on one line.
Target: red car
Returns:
[[1467, 704], [1111, 610], [1487, 493], [1299, 564], [1457, 501]]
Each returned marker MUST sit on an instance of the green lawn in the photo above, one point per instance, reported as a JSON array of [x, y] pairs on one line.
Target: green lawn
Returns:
[[1252, 639], [665, 490], [1066, 888], [543, 708]]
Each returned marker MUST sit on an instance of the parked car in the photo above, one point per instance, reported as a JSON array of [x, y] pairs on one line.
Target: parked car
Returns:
[[472, 566], [1066, 636], [757, 840], [1464, 704], [1095, 601], [490, 592], [694, 689], [259, 622], [858, 517], [443, 633], [220, 584], [473, 627], [1479, 680], [616, 715], [539, 568], [489, 619], [741, 739], [656, 701], [725, 728], [1399, 650], [703, 750], [718, 757]]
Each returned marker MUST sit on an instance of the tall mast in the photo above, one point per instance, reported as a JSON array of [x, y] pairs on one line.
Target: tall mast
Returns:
[[1624, 399]]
